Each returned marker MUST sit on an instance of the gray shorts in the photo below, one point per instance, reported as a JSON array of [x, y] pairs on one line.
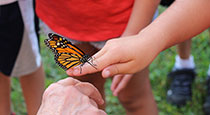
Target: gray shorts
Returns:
[[19, 49], [45, 30]]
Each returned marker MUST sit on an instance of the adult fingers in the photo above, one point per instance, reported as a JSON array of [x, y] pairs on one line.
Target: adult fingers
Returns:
[[68, 81], [90, 91], [85, 88], [51, 90]]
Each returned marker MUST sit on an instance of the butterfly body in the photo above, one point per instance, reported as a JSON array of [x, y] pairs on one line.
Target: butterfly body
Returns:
[[66, 54], [85, 58]]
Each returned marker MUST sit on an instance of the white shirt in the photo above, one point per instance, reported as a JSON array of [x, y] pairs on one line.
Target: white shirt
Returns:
[[4, 2]]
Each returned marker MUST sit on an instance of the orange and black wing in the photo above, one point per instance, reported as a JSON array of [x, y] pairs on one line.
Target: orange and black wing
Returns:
[[66, 54], [59, 44], [67, 60]]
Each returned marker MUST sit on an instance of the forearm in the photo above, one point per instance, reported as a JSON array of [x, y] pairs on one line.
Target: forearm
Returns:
[[141, 15], [183, 20]]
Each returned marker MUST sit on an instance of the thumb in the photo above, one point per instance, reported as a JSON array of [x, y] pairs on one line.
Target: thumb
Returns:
[[120, 68]]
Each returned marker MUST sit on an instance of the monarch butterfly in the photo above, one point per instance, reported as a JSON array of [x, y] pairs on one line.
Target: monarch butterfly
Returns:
[[66, 54]]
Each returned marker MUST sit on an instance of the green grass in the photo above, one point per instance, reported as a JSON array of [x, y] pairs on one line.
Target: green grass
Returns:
[[158, 72], [164, 63]]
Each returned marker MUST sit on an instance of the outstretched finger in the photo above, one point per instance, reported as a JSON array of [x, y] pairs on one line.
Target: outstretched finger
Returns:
[[100, 62]]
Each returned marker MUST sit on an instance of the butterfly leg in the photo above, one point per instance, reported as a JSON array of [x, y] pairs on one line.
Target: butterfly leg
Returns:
[[93, 65], [81, 67]]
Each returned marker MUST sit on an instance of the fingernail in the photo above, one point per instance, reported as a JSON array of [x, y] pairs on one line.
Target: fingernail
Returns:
[[69, 72], [102, 101], [106, 74]]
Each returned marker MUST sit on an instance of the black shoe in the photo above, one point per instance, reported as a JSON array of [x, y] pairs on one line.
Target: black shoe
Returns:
[[180, 86], [206, 105]]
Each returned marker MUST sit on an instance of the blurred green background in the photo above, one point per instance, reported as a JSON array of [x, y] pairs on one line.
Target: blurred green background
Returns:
[[158, 72]]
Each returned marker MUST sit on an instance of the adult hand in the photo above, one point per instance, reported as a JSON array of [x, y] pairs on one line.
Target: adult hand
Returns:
[[70, 97]]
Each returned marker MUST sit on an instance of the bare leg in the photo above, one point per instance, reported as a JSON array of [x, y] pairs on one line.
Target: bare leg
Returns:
[[137, 97], [181, 76], [33, 88], [4, 95], [184, 49]]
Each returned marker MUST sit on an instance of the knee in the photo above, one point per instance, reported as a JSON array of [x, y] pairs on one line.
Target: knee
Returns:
[[131, 103]]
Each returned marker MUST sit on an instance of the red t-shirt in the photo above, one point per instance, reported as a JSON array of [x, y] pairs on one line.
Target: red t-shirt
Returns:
[[86, 20]]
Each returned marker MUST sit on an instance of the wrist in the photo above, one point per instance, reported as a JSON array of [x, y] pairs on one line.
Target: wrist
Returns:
[[150, 39]]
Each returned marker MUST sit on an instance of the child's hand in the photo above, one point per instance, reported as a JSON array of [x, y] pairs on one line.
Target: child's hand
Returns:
[[70, 96], [122, 56], [119, 82]]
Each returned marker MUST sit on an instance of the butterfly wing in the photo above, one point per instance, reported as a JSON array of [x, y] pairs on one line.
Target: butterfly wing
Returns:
[[59, 44], [67, 60], [67, 55]]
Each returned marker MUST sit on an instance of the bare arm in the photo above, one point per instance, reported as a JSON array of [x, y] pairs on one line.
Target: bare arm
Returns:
[[183, 20], [141, 15]]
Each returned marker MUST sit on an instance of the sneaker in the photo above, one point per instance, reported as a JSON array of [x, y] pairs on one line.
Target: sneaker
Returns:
[[180, 86], [206, 105]]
